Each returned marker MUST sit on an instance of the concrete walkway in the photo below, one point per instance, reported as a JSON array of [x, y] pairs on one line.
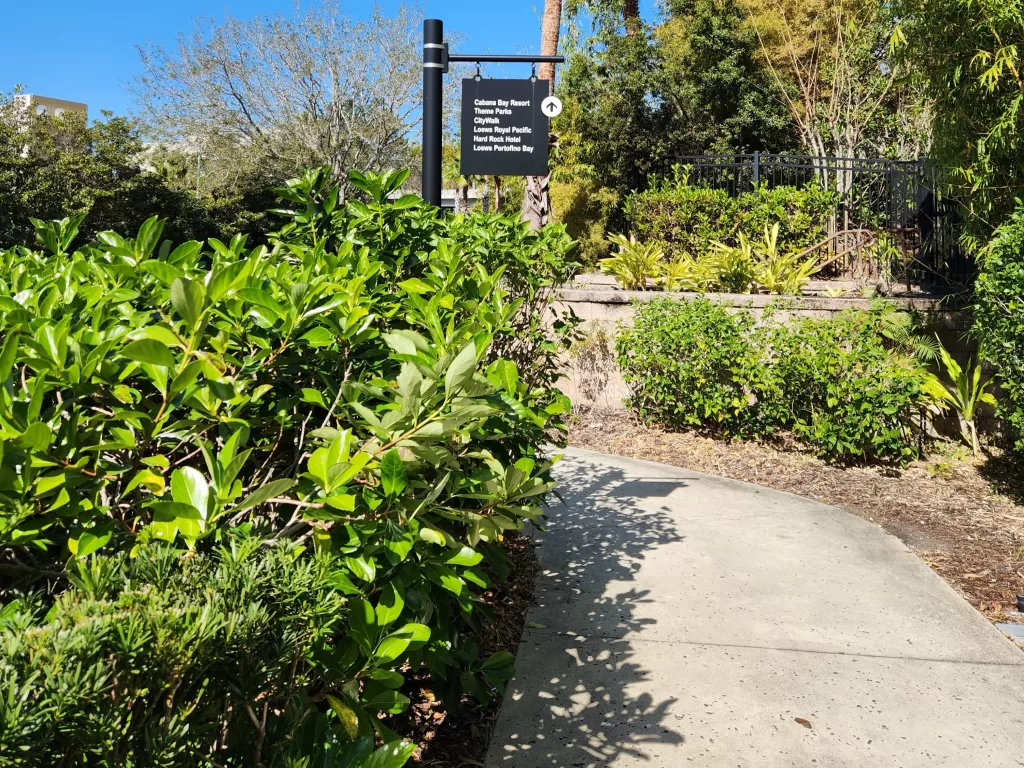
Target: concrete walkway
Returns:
[[688, 620]]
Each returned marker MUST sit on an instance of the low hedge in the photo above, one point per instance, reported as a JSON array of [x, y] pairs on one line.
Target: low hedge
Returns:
[[836, 384], [689, 219]]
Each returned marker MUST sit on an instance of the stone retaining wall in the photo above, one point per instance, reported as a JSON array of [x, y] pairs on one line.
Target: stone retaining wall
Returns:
[[594, 379]]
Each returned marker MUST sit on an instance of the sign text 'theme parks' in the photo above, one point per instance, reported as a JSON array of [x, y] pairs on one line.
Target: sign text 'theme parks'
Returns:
[[504, 130]]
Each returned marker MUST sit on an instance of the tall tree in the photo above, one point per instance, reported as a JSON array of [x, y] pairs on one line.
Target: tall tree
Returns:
[[830, 61], [613, 129], [622, 16], [692, 84], [536, 199], [719, 95], [631, 16], [283, 93]]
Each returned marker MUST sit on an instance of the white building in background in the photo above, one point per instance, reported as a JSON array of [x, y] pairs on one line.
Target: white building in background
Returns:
[[44, 105], [450, 197], [27, 103]]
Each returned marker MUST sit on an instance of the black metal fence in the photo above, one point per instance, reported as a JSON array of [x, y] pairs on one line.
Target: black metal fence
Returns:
[[911, 231]]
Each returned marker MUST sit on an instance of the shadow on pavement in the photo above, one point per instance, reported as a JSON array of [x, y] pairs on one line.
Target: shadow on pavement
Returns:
[[587, 703]]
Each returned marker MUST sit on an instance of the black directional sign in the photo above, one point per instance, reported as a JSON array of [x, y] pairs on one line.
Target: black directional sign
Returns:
[[504, 127]]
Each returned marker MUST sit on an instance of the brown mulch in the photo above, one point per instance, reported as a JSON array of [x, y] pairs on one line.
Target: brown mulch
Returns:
[[460, 740], [965, 520]]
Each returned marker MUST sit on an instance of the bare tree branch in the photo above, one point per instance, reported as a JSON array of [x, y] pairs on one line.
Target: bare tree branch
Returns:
[[285, 92]]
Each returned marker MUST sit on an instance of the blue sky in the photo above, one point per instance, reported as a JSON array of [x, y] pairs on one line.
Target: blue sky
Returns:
[[84, 50]]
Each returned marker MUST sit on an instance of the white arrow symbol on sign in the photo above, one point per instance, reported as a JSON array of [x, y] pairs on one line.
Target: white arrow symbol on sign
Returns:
[[551, 106]]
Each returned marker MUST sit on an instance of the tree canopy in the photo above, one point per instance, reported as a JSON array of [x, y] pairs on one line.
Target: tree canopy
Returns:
[[277, 94], [52, 166]]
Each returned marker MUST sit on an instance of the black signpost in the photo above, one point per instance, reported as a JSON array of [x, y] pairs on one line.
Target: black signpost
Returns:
[[504, 122]]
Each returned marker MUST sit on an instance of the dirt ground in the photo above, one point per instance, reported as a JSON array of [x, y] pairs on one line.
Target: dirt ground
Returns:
[[460, 740], [964, 520]]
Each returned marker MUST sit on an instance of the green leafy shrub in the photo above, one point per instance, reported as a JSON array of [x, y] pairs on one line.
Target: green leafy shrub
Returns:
[[964, 394], [689, 219], [781, 272], [125, 357], [836, 384], [734, 267], [341, 388], [999, 316], [531, 265], [584, 208], [846, 391], [634, 263], [688, 364], [704, 233], [236, 658], [684, 273]]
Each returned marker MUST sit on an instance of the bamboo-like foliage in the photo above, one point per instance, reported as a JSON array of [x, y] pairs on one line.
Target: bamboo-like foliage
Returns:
[[968, 54], [831, 63]]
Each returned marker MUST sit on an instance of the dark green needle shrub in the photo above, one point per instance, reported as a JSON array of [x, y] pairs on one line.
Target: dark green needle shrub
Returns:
[[218, 659]]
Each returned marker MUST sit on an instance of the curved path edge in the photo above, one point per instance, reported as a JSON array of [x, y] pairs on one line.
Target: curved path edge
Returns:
[[686, 619]]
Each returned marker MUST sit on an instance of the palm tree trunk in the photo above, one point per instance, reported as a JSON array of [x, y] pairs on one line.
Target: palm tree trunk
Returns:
[[550, 28], [536, 201]]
